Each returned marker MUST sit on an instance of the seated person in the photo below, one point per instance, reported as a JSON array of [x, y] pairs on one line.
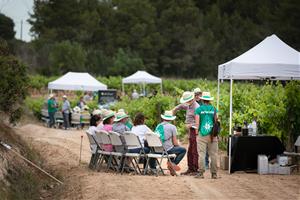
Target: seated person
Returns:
[[140, 129], [120, 123], [168, 132], [95, 120], [108, 120], [128, 122]]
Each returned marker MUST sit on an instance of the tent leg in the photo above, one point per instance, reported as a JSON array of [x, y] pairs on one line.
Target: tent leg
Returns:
[[144, 90], [230, 125], [218, 95], [123, 93], [161, 88]]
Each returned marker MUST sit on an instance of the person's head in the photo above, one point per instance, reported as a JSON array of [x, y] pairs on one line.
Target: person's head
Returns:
[[121, 117], [139, 119], [81, 99], [97, 112], [187, 98], [134, 90], [51, 96], [65, 98], [108, 117], [95, 120], [168, 116], [206, 97], [198, 94]]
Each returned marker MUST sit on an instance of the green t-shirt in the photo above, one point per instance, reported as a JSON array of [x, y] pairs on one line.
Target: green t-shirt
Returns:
[[51, 106], [206, 113]]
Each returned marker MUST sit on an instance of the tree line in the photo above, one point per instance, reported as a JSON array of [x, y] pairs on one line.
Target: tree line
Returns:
[[173, 38]]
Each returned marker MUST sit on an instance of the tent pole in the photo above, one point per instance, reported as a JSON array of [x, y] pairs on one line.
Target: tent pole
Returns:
[[144, 92], [218, 95], [161, 89], [123, 93], [230, 125]]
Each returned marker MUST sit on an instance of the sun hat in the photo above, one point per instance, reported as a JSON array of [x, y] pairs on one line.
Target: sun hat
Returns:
[[120, 116], [85, 107], [97, 112], [76, 109], [65, 97], [121, 110], [51, 96], [168, 115], [206, 96], [107, 114], [187, 96], [197, 91]]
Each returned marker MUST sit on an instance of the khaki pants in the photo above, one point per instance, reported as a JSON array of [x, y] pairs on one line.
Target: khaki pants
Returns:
[[202, 143]]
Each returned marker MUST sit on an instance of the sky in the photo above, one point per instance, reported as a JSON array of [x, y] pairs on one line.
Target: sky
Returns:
[[18, 10]]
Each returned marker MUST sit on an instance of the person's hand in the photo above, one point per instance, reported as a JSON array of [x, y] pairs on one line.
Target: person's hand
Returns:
[[188, 125]]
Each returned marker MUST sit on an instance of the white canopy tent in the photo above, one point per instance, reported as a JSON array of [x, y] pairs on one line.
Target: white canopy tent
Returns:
[[141, 77], [76, 81], [270, 59]]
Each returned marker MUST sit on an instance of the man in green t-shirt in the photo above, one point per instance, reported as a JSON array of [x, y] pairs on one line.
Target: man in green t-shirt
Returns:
[[205, 117], [52, 108]]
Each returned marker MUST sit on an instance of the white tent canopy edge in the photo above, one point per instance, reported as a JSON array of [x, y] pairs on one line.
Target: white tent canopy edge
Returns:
[[270, 59]]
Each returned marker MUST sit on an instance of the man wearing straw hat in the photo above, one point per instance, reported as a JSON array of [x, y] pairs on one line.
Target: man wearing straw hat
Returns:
[[189, 104], [206, 115], [168, 133]]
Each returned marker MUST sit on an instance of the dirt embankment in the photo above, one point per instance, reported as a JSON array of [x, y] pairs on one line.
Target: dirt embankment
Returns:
[[61, 151]]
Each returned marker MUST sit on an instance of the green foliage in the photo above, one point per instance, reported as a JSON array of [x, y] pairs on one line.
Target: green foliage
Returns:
[[35, 105], [7, 27], [13, 81], [40, 82], [66, 56]]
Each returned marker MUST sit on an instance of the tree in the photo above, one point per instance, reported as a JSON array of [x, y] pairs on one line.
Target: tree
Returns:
[[66, 56], [13, 81], [7, 27]]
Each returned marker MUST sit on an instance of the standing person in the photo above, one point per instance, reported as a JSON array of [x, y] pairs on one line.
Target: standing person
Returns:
[[52, 108], [134, 94], [168, 136], [206, 115], [81, 103], [66, 112], [189, 104]]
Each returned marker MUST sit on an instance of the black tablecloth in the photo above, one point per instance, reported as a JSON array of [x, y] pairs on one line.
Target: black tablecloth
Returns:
[[244, 150]]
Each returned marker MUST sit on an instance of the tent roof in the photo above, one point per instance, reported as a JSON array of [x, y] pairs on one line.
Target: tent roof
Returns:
[[141, 77], [77, 81], [271, 58]]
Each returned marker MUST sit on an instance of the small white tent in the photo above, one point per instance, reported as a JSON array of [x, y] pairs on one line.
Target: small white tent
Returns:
[[76, 81], [141, 77], [270, 59]]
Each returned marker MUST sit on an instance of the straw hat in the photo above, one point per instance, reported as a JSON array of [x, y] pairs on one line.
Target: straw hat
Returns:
[[65, 97], [187, 96], [120, 116], [76, 109], [107, 114], [97, 112], [85, 107], [168, 115], [51, 96], [206, 96], [197, 91], [121, 110]]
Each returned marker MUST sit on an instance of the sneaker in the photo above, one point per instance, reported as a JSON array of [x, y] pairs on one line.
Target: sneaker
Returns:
[[174, 166], [214, 176], [199, 175]]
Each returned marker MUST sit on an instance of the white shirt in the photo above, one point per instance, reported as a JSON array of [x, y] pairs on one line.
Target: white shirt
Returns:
[[92, 130], [140, 131]]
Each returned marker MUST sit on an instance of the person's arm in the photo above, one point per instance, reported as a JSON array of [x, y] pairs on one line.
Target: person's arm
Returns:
[[197, 122], [174, 137], [178, 107]]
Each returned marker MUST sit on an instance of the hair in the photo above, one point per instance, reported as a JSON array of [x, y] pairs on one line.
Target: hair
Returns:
[[139, 119], [108, 120], [94, 120], [206, 101]]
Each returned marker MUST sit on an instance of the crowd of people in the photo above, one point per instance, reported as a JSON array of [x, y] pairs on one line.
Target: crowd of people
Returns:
[[200, 119]]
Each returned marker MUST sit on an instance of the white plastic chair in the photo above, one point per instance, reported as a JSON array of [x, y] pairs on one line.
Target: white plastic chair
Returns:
[[118, 149], [157, 152], [101, 138], [76, 119]]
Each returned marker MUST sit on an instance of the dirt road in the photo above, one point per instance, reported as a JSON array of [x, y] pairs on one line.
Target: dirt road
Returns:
[[61, 148]]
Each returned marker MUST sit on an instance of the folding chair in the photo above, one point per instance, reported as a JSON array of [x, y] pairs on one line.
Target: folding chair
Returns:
[[59, 119], [101, 138], [118, 149], [157, 152], [45, 117], [132, 142], [76, 119], [94, 150], [296, 153]]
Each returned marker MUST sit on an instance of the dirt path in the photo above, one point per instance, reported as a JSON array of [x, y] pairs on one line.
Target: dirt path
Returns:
[[61, 151]]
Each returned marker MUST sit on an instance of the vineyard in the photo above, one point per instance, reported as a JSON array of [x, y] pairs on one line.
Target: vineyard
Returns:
[[275, 105]]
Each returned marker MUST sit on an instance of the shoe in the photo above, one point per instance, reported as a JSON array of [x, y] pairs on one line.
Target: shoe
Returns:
[[172, 171], [187, 172], [214, 176], [174, 166], [199, 175]]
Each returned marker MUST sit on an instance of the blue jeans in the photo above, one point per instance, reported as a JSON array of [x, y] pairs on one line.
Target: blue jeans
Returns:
[[66, 120], [152, 162], [179, 152], [51, 119]]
